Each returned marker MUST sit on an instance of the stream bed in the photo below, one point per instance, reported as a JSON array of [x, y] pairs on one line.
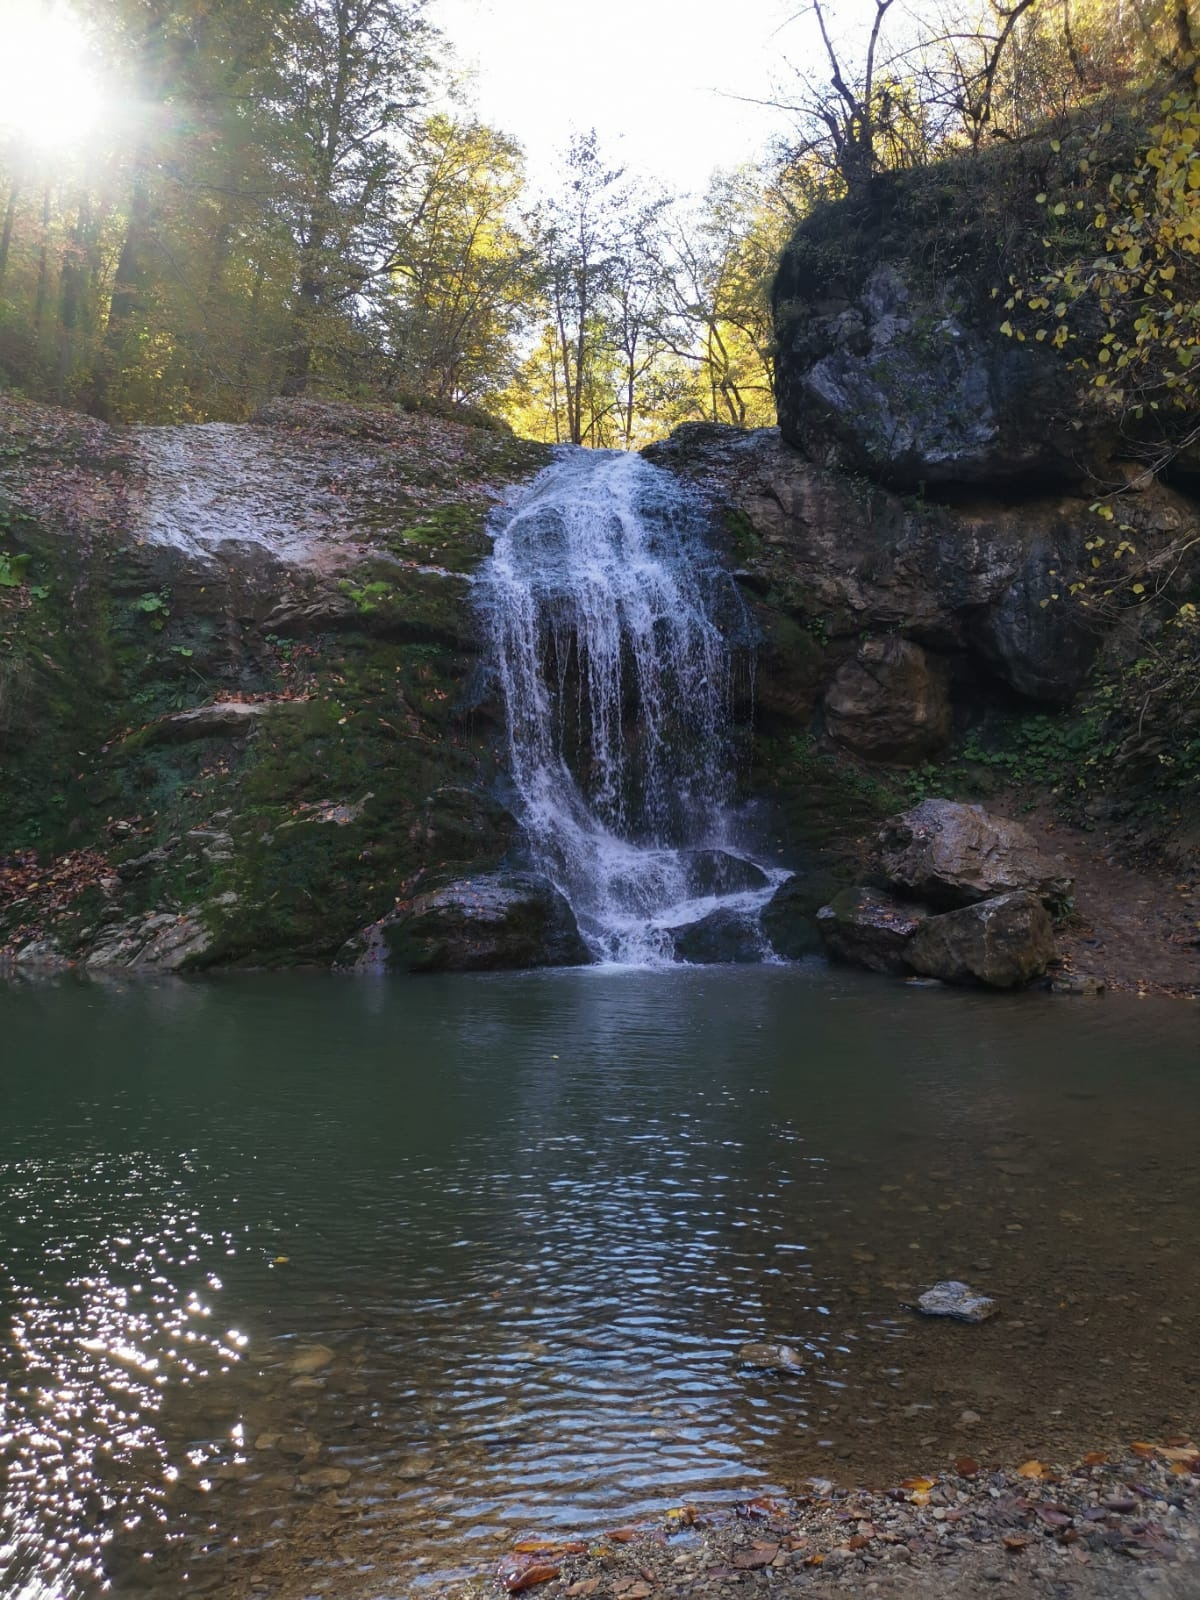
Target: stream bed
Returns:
[[314, 1286]]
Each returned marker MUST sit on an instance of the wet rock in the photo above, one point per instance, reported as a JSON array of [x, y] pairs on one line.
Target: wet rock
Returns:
[[789, 919], [870, 929], [948, 854], [1001, 943], [495, 921], [719, 872], [311, 1358], [771, 1357], [325, 1478], [724, 936], [298, 1444], [958, 1300], [890, 702]]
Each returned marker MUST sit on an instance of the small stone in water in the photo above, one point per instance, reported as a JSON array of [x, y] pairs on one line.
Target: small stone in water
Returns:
[[325, 1478], [958, 1300], [770, 1357], [310, 1359]]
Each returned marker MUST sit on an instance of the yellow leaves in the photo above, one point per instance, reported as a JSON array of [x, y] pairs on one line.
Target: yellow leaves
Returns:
[[1036, 1470], [1006, 328], [1132, 257], [918, 1490]]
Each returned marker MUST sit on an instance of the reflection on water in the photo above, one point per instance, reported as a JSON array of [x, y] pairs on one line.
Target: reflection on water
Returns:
[[494, 1245]]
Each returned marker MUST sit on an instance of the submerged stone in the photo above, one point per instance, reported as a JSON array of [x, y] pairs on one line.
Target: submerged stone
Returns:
[[958, 1300], [771, 1357]]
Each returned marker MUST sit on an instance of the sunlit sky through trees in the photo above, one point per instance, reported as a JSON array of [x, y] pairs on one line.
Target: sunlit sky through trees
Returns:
[[669, 85], [49, 93], [658, 79]]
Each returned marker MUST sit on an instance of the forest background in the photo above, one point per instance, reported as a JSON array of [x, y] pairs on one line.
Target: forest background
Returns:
[[294, 196]]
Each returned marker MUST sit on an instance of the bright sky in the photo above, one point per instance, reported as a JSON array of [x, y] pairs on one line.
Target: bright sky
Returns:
[[644, 73]]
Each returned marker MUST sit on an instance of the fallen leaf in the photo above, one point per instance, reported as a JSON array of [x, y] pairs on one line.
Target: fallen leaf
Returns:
[[1141, 1448], [1032, 1469], [920, 1484], [633, 1589], [584, 1587], [622, 1535], [1095, 1458], [814, 1561], [1053, 1517], [966, 1466], [758, 1555], [1015, 1541], [762, 1509], [549, 1547], [516, 1577]]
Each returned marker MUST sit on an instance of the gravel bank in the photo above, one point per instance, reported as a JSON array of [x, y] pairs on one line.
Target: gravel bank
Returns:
[[1103, 1529]]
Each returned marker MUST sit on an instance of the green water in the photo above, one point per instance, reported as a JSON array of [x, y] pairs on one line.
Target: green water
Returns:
[[534, 1218]]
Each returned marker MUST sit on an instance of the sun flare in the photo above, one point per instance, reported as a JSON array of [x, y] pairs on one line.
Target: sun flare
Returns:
[[51, 96]]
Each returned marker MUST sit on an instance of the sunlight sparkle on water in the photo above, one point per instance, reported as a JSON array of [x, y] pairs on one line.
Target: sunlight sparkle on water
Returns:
[[50, 95]]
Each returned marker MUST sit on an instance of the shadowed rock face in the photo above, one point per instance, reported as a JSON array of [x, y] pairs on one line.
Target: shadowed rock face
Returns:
[[824, 559], [949, 855], [890, 702]]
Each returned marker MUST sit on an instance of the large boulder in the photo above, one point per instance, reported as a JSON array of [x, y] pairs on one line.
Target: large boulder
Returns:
[[495, 921], [1001, 943], [890, 702], [870, 929], [948, 854], [902, 379]]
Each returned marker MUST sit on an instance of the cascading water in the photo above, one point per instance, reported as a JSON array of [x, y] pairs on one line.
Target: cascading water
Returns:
[[602, 599]]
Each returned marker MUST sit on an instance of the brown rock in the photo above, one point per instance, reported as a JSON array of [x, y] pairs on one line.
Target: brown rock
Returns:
[[948, 855], [890, 702], [1001, 943]]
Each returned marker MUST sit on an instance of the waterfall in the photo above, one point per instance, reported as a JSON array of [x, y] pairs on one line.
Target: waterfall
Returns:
[[604, 605]]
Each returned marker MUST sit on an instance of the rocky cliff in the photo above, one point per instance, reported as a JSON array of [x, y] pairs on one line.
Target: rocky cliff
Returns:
[[239, 696]]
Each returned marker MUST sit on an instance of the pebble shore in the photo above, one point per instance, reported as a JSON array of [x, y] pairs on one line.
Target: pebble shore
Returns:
[[1104, 1527]]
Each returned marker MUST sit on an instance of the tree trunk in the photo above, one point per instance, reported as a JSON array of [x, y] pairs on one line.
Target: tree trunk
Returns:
[[10, 215]]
